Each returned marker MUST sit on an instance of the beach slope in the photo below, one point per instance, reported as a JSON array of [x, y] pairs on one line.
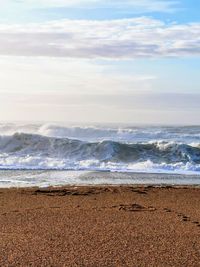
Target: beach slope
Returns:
[[100, 226]]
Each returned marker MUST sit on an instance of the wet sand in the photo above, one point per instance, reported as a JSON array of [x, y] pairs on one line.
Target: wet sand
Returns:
[[100, 226]]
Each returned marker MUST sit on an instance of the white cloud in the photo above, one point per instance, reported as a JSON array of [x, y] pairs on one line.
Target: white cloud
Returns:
[[118, 39]]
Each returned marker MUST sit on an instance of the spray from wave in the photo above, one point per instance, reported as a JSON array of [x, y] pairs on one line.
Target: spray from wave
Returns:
[[135, 149]]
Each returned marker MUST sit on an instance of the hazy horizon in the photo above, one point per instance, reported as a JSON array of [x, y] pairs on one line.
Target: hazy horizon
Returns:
[[94, 123]]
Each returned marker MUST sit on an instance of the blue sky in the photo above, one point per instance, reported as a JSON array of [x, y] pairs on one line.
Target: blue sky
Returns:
[[180, 11], [107, 52]]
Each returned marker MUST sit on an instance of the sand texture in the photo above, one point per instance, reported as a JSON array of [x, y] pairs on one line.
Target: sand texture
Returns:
[[100, 226]]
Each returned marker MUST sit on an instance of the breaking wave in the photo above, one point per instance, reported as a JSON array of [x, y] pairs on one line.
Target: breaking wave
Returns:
[[121, 133], [34, 151]]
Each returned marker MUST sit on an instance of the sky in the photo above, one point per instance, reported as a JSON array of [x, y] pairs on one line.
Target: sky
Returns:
[[130, 61]]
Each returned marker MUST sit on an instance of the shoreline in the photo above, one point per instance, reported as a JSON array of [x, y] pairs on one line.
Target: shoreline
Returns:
[[98, 186], [100, 226], [27, 179]]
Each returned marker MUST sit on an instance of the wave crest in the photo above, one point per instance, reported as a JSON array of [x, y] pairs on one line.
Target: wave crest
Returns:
[[22, 150]]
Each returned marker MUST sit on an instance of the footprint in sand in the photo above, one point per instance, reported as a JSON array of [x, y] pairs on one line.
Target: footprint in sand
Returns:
[[141, 192], [196, 223], [184, 217], [167, 210], [135, 207]]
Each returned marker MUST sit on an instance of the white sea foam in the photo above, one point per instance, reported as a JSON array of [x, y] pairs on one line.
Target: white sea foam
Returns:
[[16, 178], [102, 148]]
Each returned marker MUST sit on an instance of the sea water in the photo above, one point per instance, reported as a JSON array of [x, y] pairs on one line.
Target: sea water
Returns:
[[77, 150]]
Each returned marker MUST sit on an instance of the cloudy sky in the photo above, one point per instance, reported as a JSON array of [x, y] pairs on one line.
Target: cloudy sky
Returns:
[[132, 61]]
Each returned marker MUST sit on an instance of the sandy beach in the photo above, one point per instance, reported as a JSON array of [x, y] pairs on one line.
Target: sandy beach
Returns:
[[100, 226]]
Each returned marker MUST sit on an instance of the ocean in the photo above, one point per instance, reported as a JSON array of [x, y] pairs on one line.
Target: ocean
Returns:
[[50, 151]]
